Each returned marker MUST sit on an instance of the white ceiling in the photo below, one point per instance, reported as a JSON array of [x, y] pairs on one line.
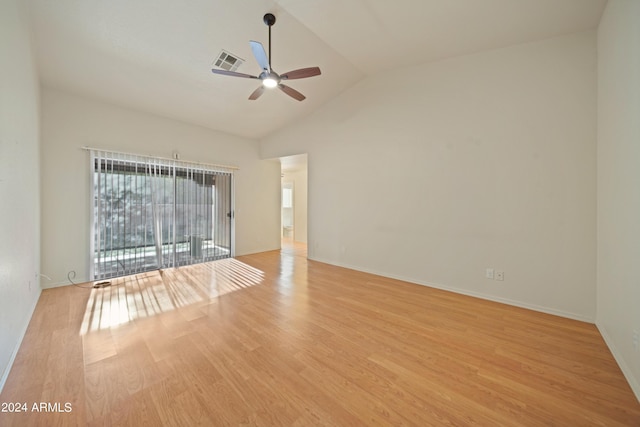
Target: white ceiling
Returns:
[[156, 55]]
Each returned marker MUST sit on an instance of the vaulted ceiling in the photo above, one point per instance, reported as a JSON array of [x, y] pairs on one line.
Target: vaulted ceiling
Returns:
[[156, 55]]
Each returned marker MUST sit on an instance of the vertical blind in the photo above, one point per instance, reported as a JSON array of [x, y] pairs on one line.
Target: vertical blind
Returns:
[[152, 213]]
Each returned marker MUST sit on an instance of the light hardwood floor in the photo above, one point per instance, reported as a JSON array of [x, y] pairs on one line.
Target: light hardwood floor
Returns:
[[275, 340]]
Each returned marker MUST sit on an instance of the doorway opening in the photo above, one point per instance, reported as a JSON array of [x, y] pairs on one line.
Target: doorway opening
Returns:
[[287, 210], [294, 200]]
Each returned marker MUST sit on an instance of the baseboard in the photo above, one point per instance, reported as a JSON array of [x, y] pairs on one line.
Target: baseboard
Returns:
[[7, 370], [460, 291], [626, 371], [59, 284], [257, 251]]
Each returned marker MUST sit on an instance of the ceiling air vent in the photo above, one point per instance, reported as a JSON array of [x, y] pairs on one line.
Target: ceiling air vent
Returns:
[[228, 61]]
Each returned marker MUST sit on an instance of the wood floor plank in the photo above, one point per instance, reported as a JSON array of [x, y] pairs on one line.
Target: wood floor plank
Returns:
[[275, 339]]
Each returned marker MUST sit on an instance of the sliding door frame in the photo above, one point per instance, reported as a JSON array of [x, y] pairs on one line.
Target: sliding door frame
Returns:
[[142, 165]]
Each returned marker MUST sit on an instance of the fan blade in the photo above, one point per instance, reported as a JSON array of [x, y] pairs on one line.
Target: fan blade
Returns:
[[261, 55], [292, 92], [256, 93], [302, 73], [232, 73]]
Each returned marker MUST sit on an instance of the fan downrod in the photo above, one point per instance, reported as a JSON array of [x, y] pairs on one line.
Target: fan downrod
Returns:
[[269, 19]]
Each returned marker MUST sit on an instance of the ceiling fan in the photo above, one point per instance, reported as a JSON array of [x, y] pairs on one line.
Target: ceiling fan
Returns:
[[270, 79]]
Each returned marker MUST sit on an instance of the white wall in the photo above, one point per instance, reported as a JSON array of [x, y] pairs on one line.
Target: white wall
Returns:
[[19, 182], [299, 180], [619, 183], [70, 122], [434, 173]]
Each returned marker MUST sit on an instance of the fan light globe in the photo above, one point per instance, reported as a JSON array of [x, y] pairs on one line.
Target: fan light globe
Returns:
[[270, 82]]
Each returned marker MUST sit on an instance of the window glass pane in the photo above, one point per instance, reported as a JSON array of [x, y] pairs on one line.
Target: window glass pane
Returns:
[[149, 216], [287, 198]]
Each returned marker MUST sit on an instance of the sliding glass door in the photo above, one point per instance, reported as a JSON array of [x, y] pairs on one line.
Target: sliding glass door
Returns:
[[153, 213]]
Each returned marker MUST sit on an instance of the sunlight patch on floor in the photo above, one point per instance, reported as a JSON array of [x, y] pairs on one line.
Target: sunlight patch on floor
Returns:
[[152, 293]]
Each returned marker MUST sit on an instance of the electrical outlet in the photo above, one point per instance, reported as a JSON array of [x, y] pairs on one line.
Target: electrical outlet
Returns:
[[499, 275], [489, 273], [636, 340]]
